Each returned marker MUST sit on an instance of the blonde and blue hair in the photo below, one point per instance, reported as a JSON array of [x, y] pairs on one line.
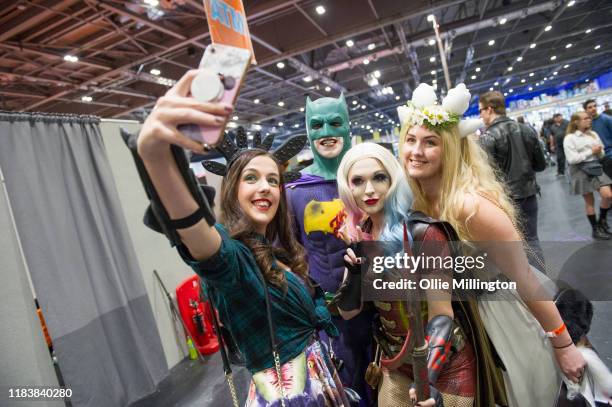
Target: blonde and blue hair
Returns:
[[398, 200]]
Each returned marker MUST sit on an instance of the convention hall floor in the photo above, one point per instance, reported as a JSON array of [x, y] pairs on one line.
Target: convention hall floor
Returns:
[[561, 218]]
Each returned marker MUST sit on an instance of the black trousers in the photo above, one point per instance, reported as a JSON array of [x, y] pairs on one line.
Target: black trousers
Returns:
[[607, 165], [527, 214], [560, 152]]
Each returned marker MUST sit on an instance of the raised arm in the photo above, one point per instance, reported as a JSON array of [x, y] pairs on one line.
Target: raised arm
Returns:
[[158, 133]]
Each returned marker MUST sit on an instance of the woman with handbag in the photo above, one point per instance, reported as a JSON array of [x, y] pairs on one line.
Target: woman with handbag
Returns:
[[584, 149], [451, 180], [262, 292], [377, 202]]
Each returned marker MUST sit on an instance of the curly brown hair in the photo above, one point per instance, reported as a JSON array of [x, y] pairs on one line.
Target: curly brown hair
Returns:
[[288, 250]]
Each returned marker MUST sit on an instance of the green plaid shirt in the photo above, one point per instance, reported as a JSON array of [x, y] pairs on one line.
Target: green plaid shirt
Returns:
[[240, 299]]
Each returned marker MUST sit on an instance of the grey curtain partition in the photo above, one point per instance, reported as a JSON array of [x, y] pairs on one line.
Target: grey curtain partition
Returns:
[[80, 257]]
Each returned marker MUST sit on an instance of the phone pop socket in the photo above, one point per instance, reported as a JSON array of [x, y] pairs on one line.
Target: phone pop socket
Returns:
[[207, 87]]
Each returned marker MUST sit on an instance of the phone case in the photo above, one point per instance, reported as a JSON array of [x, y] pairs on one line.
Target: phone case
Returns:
[[224, 68]]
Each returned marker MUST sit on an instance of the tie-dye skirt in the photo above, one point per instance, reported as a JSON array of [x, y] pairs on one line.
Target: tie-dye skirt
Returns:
[[309, 380]]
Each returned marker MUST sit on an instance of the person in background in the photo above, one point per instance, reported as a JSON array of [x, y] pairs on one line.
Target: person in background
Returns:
[[583, 145], [607, 109], [558, 129], [602, 125], [514, 149]]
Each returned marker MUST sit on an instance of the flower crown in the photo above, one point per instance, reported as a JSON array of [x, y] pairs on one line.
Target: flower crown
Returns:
[[423, 110]]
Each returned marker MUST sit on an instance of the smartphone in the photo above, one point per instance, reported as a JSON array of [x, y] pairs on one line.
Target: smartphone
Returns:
[[223, 69]]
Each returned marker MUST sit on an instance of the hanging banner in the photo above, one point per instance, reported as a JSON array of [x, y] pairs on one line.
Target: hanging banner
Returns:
[[227, 24]]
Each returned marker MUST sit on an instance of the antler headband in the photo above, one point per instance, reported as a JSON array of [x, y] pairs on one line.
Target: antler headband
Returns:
[[231, 151]]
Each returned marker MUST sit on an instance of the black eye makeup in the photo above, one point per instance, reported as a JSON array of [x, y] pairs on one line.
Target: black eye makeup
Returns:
[[381, 177], [357, 181]]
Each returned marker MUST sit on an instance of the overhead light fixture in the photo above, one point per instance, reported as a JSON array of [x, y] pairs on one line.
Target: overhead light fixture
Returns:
[[71, 58], [397, 97], [548, 28], [531, 74], [377, 73], [478, 69], [307, 78], [371, 46], [496, 83], [256, 101], [355, 102], [553, 57], [510, 90], [281, 124], [586, 80], [280, 65], [523, 80], [327, 89], [155, 72], [434, 81], [491, 88], [320, 10], [432, 42], [569, 45], [363, 107], [588, 31], [519, 59], [537, 83], [433, 72], [503, 21], [566, 66], [295, 126], [505, 94], [349, 43], [597, 46], [281, 103], [571, 3], [366, 61], [545, 79], [530, 88], [86, 99], [533, 45], [432, 59], [510, 69], [431, 18], [491, 43], [473, 77], [301, 109], [234, 117], [368, 127], [372, 81], [555, 73]]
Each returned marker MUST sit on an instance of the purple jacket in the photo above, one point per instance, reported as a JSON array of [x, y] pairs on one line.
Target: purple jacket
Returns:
[[313, 205]]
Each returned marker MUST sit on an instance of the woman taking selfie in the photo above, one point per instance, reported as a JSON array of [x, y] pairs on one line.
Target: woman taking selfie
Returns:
[[263, 293], [452, 181]]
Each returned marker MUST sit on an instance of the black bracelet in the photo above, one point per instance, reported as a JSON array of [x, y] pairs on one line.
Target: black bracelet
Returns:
[[564, 346]]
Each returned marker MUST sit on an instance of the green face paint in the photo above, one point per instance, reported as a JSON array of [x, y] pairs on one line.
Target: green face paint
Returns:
[[325, 118]]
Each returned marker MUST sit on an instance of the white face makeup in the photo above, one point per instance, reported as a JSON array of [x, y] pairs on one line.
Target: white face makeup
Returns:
[[259, 191], [422, 153], [329, 147], [369, 183]]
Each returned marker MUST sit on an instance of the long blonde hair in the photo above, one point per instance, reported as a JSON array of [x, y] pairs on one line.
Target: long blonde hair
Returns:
[[572, 127], [465, 170]]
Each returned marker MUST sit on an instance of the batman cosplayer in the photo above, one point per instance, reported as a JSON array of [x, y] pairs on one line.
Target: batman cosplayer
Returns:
[[317, 213]]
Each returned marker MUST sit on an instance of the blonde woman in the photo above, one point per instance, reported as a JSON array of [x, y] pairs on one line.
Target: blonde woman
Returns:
[[584, 148], [452, 181]]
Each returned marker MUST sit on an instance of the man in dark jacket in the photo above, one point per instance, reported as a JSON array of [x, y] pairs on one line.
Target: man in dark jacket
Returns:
[[514, 150], [557, 132]]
